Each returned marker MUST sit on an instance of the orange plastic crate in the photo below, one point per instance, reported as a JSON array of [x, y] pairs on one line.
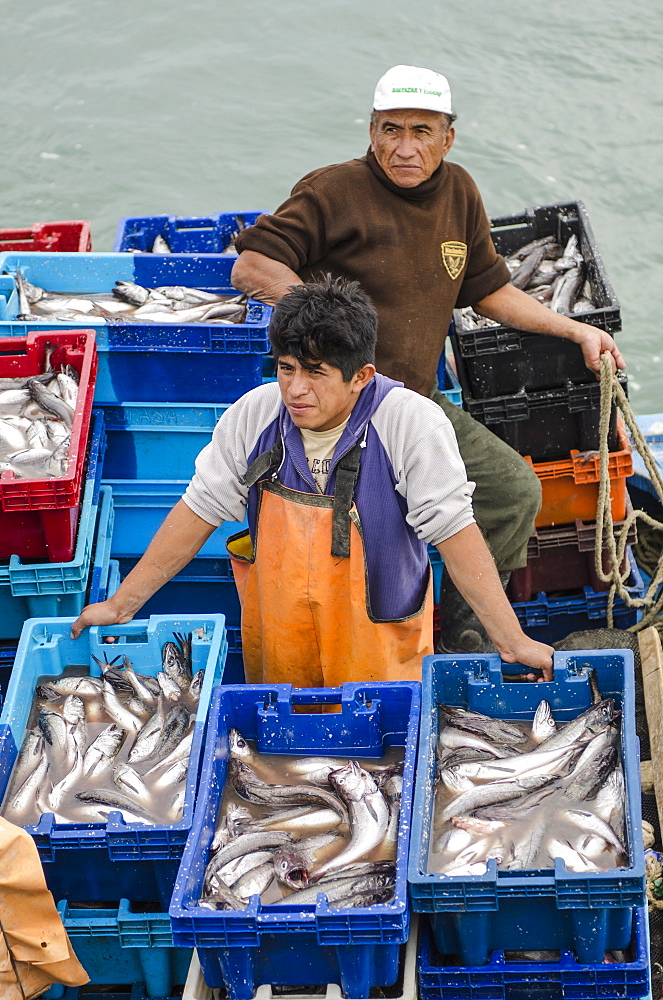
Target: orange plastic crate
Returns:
[[57, 237], [570, 486]]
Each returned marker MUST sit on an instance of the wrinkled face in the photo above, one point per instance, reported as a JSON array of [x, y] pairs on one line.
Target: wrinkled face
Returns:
[[319, 399], [409, 145]]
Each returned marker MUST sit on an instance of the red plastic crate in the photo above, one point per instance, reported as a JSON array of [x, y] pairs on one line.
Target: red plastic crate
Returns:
[[38, 517], [562, 558], [58, 237], [571, 485]]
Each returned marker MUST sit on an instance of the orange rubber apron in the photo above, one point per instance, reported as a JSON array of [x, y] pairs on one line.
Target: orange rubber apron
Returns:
[[306, 617]]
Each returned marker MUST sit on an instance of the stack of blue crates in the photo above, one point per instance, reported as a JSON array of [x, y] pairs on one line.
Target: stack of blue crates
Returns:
[[475, 922], [135, 865]]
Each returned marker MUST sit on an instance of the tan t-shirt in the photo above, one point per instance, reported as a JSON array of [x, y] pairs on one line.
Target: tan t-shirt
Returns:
[[319, 447]]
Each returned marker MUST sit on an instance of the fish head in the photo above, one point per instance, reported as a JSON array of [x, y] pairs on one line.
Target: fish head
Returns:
[[74, 709], [291, 870], [601, 715], [172, 658], [352, 782], [238, 746]]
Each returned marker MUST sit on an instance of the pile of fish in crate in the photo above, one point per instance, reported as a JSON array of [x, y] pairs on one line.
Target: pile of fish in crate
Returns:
[[535, 393], [526, 850]]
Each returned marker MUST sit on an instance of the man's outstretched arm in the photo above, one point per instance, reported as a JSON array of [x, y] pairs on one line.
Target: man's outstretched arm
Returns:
[[511, 306], [469, 562], [175, 544]]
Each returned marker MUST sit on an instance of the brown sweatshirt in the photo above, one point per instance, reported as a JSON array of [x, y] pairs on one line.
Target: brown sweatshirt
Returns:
[[418, 252]]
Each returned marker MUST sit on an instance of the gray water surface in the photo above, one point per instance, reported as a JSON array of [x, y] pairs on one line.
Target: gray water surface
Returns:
[[114, 108]]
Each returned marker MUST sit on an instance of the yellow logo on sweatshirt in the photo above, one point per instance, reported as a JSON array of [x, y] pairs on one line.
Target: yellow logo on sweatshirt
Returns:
[[454, 256]]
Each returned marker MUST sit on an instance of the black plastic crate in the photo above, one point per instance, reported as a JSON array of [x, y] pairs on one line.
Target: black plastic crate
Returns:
[[550, 423], [497, 360]]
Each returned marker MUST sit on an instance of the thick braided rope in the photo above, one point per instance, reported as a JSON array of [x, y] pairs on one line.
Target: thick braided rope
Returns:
[[612, 392]]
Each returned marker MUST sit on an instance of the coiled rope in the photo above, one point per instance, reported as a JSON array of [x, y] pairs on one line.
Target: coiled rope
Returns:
[[606, 537]]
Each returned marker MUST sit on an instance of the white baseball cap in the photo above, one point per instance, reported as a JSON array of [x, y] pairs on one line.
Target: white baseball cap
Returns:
[[412, 87]]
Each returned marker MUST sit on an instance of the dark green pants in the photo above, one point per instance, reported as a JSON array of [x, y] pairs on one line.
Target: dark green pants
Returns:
[[507, 497]]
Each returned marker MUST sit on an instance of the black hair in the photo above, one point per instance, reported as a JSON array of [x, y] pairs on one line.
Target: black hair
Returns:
[[331, 321]]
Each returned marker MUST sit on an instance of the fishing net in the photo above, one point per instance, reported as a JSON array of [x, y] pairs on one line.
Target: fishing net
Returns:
[[611, 638]]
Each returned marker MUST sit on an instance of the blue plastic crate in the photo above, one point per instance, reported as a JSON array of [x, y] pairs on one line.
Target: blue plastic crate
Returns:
[[197, 234], [141, 506], [7, 657], [109, 860], [140, 434], [562, 979], [119, 946], [29, 589], [242, 949], [517, 910], [193, 362], [549, 618]]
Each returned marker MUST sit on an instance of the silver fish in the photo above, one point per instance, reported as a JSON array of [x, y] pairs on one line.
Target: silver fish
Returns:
[[294, 862], [536, 762], [115, 800], [26, 797], [118, 713], [590, 822], [175, 726], [367, 810], [254, 882], [29, 756], [173, 775], [233, 870], [176, 660], [583, 728], [169, 686], [149, 736], [496, 730], [142, 689], [584, 784], [76, 685], [103, 750], [129, 781], [497, 791], [50, 402], [161, 245], [301, 820], [453, 738], [130, 292], [250, 787], [543, 724], [70, 780], [247, 843], [179, 753], [340, 886]]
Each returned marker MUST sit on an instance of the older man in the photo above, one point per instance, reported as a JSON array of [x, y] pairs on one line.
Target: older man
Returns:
[[412, 229]]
